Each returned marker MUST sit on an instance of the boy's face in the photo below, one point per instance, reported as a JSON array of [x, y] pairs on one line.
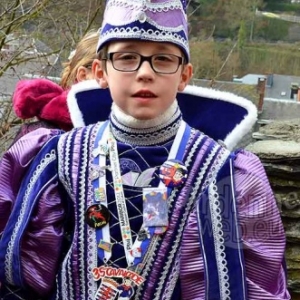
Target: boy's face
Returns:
[[143, 93]]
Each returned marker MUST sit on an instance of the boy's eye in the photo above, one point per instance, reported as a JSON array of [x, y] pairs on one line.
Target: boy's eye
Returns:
[[126, 56], [164, 58]]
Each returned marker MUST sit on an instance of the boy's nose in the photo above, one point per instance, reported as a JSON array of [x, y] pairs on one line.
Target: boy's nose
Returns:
[[145, 70]]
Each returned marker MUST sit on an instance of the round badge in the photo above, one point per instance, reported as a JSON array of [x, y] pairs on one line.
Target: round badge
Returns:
[[173, 173], [97, 216]]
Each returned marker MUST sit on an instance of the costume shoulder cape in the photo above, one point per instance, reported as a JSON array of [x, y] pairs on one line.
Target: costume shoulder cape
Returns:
[[222, 116]]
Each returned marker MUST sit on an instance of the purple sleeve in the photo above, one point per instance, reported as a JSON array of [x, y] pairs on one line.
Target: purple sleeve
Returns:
[[13, 166], [262, 232], [41, 245]]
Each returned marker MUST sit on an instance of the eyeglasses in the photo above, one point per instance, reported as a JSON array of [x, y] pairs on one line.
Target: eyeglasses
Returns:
[[131, 61]]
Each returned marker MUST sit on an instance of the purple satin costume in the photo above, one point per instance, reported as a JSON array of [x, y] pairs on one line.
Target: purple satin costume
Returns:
[[264, 242]]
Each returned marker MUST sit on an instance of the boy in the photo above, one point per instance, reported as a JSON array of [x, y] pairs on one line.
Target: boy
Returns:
[[223, 238]]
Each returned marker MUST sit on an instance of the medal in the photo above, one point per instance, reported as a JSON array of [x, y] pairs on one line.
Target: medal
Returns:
[[111, 272], [97, 216], [116, 281], [107, 290], [173, 173]]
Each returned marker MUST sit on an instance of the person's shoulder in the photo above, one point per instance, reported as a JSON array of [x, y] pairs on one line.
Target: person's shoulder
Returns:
[[85, 128], [217, 145], [248, 162], [37, 134], [81, 134], [246, 155]]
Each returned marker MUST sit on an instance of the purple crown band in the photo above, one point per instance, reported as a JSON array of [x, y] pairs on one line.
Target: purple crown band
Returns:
[[148, 20]]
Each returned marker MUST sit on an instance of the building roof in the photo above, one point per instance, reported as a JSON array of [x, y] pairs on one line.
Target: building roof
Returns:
[[277, 86]]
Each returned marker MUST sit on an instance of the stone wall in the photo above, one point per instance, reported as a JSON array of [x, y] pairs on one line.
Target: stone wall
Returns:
[[274, 109], [279, 151]]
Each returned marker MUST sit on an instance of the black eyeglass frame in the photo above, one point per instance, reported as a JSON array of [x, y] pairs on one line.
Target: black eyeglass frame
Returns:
[[110, 55]]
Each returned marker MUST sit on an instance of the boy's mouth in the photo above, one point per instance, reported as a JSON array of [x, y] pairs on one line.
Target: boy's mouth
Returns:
[[144, 94]]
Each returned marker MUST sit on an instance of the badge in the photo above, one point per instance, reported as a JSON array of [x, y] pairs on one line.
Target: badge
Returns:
[[102, 149], [124, 279], [100, 194], [139, 268], [143, 234], [97, 216], [173, 173], [110, 288], [155, 207], [106, 246], [96, 172], [116, 281], [107, 290]]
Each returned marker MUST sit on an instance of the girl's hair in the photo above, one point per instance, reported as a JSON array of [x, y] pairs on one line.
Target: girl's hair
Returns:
[[83, 55]]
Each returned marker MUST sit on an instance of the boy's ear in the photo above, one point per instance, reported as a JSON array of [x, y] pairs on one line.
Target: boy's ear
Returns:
[[185, 76], [98, 73]]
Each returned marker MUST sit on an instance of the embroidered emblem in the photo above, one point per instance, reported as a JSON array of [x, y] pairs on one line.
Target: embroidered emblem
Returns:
[[127, 165]]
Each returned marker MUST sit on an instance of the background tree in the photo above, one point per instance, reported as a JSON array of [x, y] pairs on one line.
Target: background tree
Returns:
[[242, 39], [35, 37]]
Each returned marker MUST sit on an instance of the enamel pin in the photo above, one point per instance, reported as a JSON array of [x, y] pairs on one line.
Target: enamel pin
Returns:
[[173, 173], [97, 216]]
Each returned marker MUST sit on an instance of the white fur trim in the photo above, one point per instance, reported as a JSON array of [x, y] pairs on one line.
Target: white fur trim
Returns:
[[240, 129], [75, 113], [132, 122]]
